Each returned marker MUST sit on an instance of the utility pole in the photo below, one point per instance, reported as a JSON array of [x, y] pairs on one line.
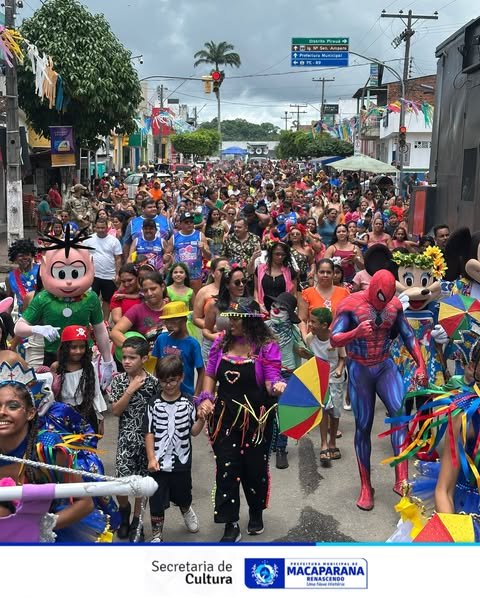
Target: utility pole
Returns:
[[406, 35], [323, 80], [14, 197], [298, 106], [195, 117], [286, 118], [160, 90]]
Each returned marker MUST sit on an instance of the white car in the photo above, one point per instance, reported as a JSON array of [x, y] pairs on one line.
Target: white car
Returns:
[[132, 181]]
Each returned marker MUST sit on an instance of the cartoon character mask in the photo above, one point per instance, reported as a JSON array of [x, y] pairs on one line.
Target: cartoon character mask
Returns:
[[472, 267], [381, 289], [67, 268], [419, 276], [462, 252]]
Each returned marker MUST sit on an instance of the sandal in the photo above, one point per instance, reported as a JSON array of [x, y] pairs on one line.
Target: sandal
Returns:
[[335, 453], [325, 458]]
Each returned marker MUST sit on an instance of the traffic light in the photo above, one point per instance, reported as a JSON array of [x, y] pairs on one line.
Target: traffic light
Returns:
[[402, 138], [217, 78], [207, 83]]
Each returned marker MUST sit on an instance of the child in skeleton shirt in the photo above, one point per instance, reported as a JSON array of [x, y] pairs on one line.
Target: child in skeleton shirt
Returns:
[[169, 424]]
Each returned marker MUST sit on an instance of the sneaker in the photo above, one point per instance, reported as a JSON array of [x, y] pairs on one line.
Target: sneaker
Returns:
[[232, 533], [156, 539], [347, 406], [281, 459], [191, 521], [255, 523], [157, 534]]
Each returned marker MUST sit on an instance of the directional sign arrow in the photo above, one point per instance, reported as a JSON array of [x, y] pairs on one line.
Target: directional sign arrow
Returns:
[[295, 47], [295, 54]]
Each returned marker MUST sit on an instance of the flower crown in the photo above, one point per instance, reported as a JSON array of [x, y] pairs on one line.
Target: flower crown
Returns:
[[431, 260]]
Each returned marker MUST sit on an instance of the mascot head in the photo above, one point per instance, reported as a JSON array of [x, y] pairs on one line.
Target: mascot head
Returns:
[[381, 290], [67, 268], [462, 252], [419, 276]]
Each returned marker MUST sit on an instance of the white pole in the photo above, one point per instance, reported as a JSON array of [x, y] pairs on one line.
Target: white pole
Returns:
[[130, 486]]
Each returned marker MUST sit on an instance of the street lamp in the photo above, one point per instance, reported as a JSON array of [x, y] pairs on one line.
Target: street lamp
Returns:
[[139, 58], [397, 75]]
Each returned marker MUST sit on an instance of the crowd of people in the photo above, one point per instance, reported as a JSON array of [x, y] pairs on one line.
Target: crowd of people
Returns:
[[213, 287]]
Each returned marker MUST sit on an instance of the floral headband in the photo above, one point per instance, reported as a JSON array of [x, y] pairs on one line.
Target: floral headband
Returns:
[[431, 260]]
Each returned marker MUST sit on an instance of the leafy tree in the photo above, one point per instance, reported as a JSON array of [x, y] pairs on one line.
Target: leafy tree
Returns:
[[240, 129], [216, 55], [197, 144], [97, 74], [301, 144]]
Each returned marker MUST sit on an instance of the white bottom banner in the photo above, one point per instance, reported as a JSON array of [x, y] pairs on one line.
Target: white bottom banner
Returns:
[[174, 571]]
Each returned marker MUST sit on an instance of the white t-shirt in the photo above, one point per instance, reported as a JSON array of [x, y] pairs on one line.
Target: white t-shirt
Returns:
[[70, 385], [104, 255], [324, 350]]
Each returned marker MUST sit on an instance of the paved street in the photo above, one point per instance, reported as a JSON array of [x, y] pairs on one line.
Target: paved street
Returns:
[[308, 503]]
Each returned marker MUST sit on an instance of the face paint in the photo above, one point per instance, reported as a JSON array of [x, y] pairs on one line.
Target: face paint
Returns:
[[279, 313], [381, 289]]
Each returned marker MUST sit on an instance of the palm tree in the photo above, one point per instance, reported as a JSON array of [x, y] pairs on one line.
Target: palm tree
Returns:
[[217, 54]]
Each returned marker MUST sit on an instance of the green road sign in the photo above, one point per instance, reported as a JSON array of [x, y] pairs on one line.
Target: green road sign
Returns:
[[320, 40]]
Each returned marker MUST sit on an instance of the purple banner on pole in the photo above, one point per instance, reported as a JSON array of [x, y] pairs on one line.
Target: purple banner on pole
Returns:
[[62, 146]]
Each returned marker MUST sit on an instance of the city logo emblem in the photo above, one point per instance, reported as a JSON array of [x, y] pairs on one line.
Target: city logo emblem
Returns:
[[264, 573]]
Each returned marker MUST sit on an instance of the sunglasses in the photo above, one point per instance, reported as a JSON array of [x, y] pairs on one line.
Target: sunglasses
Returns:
[[239, 283]]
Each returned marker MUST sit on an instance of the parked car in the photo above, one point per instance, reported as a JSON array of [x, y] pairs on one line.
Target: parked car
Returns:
[[132, 181]]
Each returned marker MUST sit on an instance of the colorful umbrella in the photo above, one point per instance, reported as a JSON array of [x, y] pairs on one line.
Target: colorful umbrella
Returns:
[[456, 313], [300, 406], [443, 527]]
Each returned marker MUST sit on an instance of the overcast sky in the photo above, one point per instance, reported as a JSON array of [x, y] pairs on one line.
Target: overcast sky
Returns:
[[169, 32]]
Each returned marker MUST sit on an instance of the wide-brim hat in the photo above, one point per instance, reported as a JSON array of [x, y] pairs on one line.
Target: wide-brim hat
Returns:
[[245, 308], [288, 301], [174, 309]]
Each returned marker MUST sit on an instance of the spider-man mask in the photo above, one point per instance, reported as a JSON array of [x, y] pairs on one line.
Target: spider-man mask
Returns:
[[381, 289]]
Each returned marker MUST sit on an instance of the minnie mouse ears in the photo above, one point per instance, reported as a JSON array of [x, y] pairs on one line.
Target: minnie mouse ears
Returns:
[[379, 257]]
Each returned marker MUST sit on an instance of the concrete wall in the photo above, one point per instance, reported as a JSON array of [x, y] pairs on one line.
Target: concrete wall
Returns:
[[455, 156]]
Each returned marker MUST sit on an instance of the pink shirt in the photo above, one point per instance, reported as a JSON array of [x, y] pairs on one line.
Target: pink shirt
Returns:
[[362, 279]]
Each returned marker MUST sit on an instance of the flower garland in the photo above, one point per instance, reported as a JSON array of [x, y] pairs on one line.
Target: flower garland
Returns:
[[431, 259]]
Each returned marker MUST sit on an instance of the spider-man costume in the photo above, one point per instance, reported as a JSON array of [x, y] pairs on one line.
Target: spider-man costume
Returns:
[[366, 324]]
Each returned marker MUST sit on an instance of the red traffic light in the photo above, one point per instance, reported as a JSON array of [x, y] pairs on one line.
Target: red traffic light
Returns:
[[402, 130], [216, 75]]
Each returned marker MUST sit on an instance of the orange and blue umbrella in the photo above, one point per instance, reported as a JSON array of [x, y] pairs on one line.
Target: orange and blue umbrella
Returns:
[[456, 314], [300, 407]]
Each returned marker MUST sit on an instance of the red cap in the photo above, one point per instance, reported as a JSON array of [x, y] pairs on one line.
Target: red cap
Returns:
[[74, 333]]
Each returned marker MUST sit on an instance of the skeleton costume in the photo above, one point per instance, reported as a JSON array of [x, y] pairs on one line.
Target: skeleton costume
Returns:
[[171, 425]]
